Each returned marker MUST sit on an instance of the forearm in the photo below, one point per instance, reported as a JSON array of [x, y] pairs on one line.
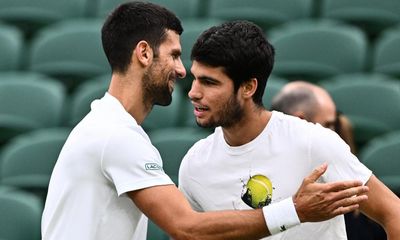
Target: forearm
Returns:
[[383, 206], [229, 225]]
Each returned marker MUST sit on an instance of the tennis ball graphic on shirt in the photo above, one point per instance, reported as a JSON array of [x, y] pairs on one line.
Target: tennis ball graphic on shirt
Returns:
[[257, 191]]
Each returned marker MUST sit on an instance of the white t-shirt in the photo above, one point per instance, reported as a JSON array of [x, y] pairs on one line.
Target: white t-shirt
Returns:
[[106, 155], [215, 176]]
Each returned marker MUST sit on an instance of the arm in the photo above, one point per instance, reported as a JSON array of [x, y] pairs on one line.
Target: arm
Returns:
[[383, 206], [168, 208]]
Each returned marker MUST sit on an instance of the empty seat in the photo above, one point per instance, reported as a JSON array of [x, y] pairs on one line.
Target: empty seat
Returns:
[[29, 15], [373, 107], [266, 13], [382, 156], [27, 105], [20, 216], [27, 161], [186, 9], [70, 50], [371, 15], [11, 48], [84, 95], [386, 54], [314, 50]]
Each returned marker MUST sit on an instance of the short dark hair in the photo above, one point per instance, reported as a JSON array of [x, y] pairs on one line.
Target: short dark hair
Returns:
[[131, 23], [241, 49]]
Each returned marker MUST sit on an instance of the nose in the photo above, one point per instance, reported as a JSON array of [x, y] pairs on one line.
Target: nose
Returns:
[[194, 92], [180, 69]]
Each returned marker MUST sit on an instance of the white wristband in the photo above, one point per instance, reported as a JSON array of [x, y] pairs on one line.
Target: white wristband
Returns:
[[280, 216]]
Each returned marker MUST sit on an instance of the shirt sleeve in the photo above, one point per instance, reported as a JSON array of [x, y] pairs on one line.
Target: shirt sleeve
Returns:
[[327, 146], [131, 162], [185, 182]]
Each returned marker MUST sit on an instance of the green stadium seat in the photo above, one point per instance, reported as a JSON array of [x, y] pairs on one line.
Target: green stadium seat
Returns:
[[30, 15], [83, 96], [27, 161], [265, 13], [173, 144], [371, 15], [11, 47], [69, 50], [382, 156], [373, 106], [274, 85], [20, 216], [314, 50], [183, 9], [27, 105], [386, 54]]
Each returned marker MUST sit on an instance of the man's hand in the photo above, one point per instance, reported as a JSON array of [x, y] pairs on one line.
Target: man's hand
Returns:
[[316, 202]]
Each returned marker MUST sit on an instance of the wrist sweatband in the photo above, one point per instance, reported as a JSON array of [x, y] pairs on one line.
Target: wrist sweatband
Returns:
[[280, 216]]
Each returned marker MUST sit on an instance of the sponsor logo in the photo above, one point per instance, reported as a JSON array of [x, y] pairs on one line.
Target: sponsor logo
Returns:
[[152, 166]]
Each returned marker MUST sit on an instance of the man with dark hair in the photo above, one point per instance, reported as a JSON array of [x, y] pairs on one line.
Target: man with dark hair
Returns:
[[109, 176], [257, 158]]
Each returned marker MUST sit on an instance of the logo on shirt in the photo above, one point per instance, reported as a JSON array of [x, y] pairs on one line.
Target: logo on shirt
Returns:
[[257, 193], [152, 166]]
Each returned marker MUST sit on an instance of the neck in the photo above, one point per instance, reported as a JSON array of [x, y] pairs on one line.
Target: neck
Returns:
[[129, 93], [252, 124]]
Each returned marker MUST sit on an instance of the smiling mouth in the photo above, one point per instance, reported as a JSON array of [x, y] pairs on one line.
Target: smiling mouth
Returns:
[[201, 109]]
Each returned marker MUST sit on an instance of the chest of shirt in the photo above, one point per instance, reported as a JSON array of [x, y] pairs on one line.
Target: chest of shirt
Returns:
[[248, 180]]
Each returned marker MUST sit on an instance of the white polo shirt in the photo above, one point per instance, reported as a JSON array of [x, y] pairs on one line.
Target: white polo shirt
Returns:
[[106, 155]]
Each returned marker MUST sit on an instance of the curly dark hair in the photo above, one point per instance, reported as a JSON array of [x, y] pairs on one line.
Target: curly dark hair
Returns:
[[241, 49]]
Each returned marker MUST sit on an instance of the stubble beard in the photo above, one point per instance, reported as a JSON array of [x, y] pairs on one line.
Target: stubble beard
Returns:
[[230, 114], [156, 88]]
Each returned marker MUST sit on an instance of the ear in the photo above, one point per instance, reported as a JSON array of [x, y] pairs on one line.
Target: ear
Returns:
[[143, 53], [249, 88]]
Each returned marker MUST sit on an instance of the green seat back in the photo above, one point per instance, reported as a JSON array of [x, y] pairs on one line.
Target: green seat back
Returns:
[[371, 15], [382, 156], [265, 13], [386, 55], [10, 48], [20, 216], [313, 50], [27, 105], [28, 160], [70, 50], [373, 107]]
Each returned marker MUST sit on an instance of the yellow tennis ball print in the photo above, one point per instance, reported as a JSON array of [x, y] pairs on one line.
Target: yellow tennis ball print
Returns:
[[257, 191]]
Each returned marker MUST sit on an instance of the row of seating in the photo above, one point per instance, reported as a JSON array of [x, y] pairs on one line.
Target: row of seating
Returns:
[[71, 50], [29, 100], [21, 213], [373, 15]]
